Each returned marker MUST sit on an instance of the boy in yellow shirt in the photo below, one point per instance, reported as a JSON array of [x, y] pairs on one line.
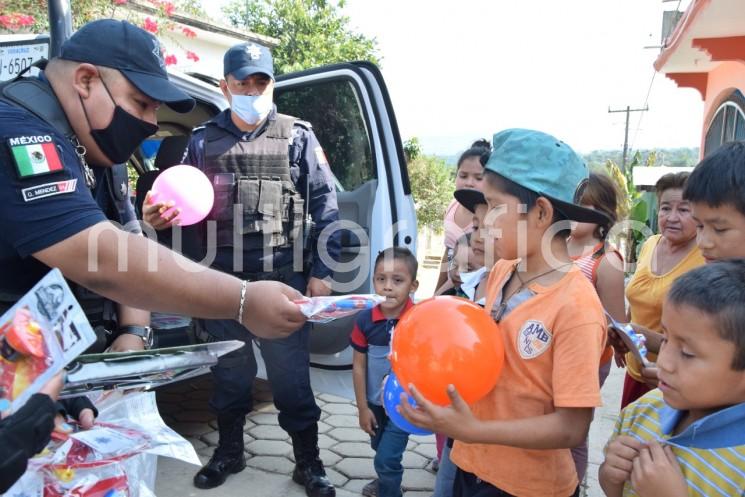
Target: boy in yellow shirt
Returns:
[[687, 438]]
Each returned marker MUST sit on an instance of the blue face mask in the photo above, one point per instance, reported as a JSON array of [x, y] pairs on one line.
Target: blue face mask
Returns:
[[252, 109]]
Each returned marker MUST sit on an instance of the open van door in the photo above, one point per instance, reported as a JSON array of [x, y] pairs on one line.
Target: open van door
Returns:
[[352, 116]]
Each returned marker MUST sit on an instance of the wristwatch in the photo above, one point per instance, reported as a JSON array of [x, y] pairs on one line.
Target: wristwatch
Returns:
[[144, 332]]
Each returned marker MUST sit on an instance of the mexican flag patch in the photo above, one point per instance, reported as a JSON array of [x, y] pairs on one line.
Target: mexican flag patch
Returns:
[[34, 155]]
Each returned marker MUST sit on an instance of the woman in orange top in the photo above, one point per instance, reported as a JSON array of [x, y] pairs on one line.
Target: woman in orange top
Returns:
[[662, 259]]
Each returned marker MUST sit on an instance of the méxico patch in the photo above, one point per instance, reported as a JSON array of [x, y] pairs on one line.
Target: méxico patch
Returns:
[[49, 189], [34, 155]]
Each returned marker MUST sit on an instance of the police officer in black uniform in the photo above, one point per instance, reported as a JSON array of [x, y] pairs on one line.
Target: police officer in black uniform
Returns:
[[118, 327], [89, 110], [274, 193]]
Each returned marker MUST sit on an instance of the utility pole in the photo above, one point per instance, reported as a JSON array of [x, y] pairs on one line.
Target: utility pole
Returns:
[[628, 110]]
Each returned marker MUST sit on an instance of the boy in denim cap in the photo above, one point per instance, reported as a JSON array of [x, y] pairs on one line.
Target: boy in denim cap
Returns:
[[516, 440], [394, 278]]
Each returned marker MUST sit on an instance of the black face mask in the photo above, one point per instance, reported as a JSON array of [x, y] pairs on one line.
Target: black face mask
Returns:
[[123, 135]]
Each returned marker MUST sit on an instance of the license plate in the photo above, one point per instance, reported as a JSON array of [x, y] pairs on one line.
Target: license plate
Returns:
[[18, 55]]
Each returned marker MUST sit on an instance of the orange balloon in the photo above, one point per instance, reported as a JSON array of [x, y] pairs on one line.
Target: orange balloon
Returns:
[[447, 340]]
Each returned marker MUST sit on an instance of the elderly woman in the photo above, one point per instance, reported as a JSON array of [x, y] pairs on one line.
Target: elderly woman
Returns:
[[662, 259]]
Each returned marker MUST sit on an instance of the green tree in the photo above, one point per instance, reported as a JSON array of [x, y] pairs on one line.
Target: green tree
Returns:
[[412, 149], [633, 204], [311, 32], [432, 188]]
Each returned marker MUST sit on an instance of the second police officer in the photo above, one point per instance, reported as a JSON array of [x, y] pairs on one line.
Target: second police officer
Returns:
[[269, 173]]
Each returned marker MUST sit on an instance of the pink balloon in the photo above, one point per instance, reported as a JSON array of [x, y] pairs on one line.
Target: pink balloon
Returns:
[[189, 189]]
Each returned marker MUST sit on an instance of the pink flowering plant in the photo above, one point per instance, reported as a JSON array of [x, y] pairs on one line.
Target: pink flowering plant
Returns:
[[30, 16]]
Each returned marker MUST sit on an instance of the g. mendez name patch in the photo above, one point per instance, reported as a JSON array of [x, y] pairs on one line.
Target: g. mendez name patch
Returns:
[[49, 189]]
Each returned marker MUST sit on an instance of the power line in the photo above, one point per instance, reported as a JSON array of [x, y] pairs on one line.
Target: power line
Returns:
[[641, 116], [649, 90]]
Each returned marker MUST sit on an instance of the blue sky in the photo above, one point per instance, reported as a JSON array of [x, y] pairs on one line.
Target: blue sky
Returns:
[[462, 70]]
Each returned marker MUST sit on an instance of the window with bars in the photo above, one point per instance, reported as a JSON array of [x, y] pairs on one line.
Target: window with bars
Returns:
[[727, 125]]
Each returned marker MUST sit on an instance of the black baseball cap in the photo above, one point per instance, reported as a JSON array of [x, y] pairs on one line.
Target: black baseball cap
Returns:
[[469, 198], [245, 59], [132, 51]]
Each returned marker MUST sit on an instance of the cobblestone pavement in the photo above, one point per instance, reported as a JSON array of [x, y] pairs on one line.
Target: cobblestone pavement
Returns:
[[345, 448], [602, 427]]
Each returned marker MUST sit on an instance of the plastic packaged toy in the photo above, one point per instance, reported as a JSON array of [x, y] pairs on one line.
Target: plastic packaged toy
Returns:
[[117, 457], [40, 335], [636, 342], [325, 309]]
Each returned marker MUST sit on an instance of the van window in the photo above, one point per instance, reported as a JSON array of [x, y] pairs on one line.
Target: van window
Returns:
[[334, 110]]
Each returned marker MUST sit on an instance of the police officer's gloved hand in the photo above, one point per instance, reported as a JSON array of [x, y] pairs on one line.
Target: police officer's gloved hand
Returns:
[[22, 435], [79, 408]]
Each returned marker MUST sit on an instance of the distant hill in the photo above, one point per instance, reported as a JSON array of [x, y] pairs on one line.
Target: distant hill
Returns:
[[664, 157], [450, 160]]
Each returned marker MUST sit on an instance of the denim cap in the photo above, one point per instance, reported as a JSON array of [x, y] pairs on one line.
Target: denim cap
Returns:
[[133, 52], [547, 166], [246, 59]]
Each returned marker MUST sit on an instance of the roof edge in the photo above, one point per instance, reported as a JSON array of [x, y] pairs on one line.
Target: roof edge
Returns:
[[673, 41], [268, 41]]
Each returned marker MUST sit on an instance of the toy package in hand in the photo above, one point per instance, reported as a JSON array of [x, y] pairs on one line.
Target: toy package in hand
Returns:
[[115, 458], [325, 309], [634, 341], [39, 336]]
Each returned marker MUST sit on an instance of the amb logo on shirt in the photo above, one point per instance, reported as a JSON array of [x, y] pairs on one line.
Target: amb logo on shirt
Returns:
[[34, 155], [533, 339]]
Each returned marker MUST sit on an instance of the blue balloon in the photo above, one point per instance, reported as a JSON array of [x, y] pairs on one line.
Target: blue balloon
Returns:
[[391, 399]]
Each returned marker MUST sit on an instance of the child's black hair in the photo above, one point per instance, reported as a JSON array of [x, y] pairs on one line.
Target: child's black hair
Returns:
[[401, 254], [481, 149], [524, 196], [602, 195], [718, 290], [464, 241], [719, 179]]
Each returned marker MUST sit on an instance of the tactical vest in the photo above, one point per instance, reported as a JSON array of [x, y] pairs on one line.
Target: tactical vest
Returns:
[[255, 177], [38, 98]]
